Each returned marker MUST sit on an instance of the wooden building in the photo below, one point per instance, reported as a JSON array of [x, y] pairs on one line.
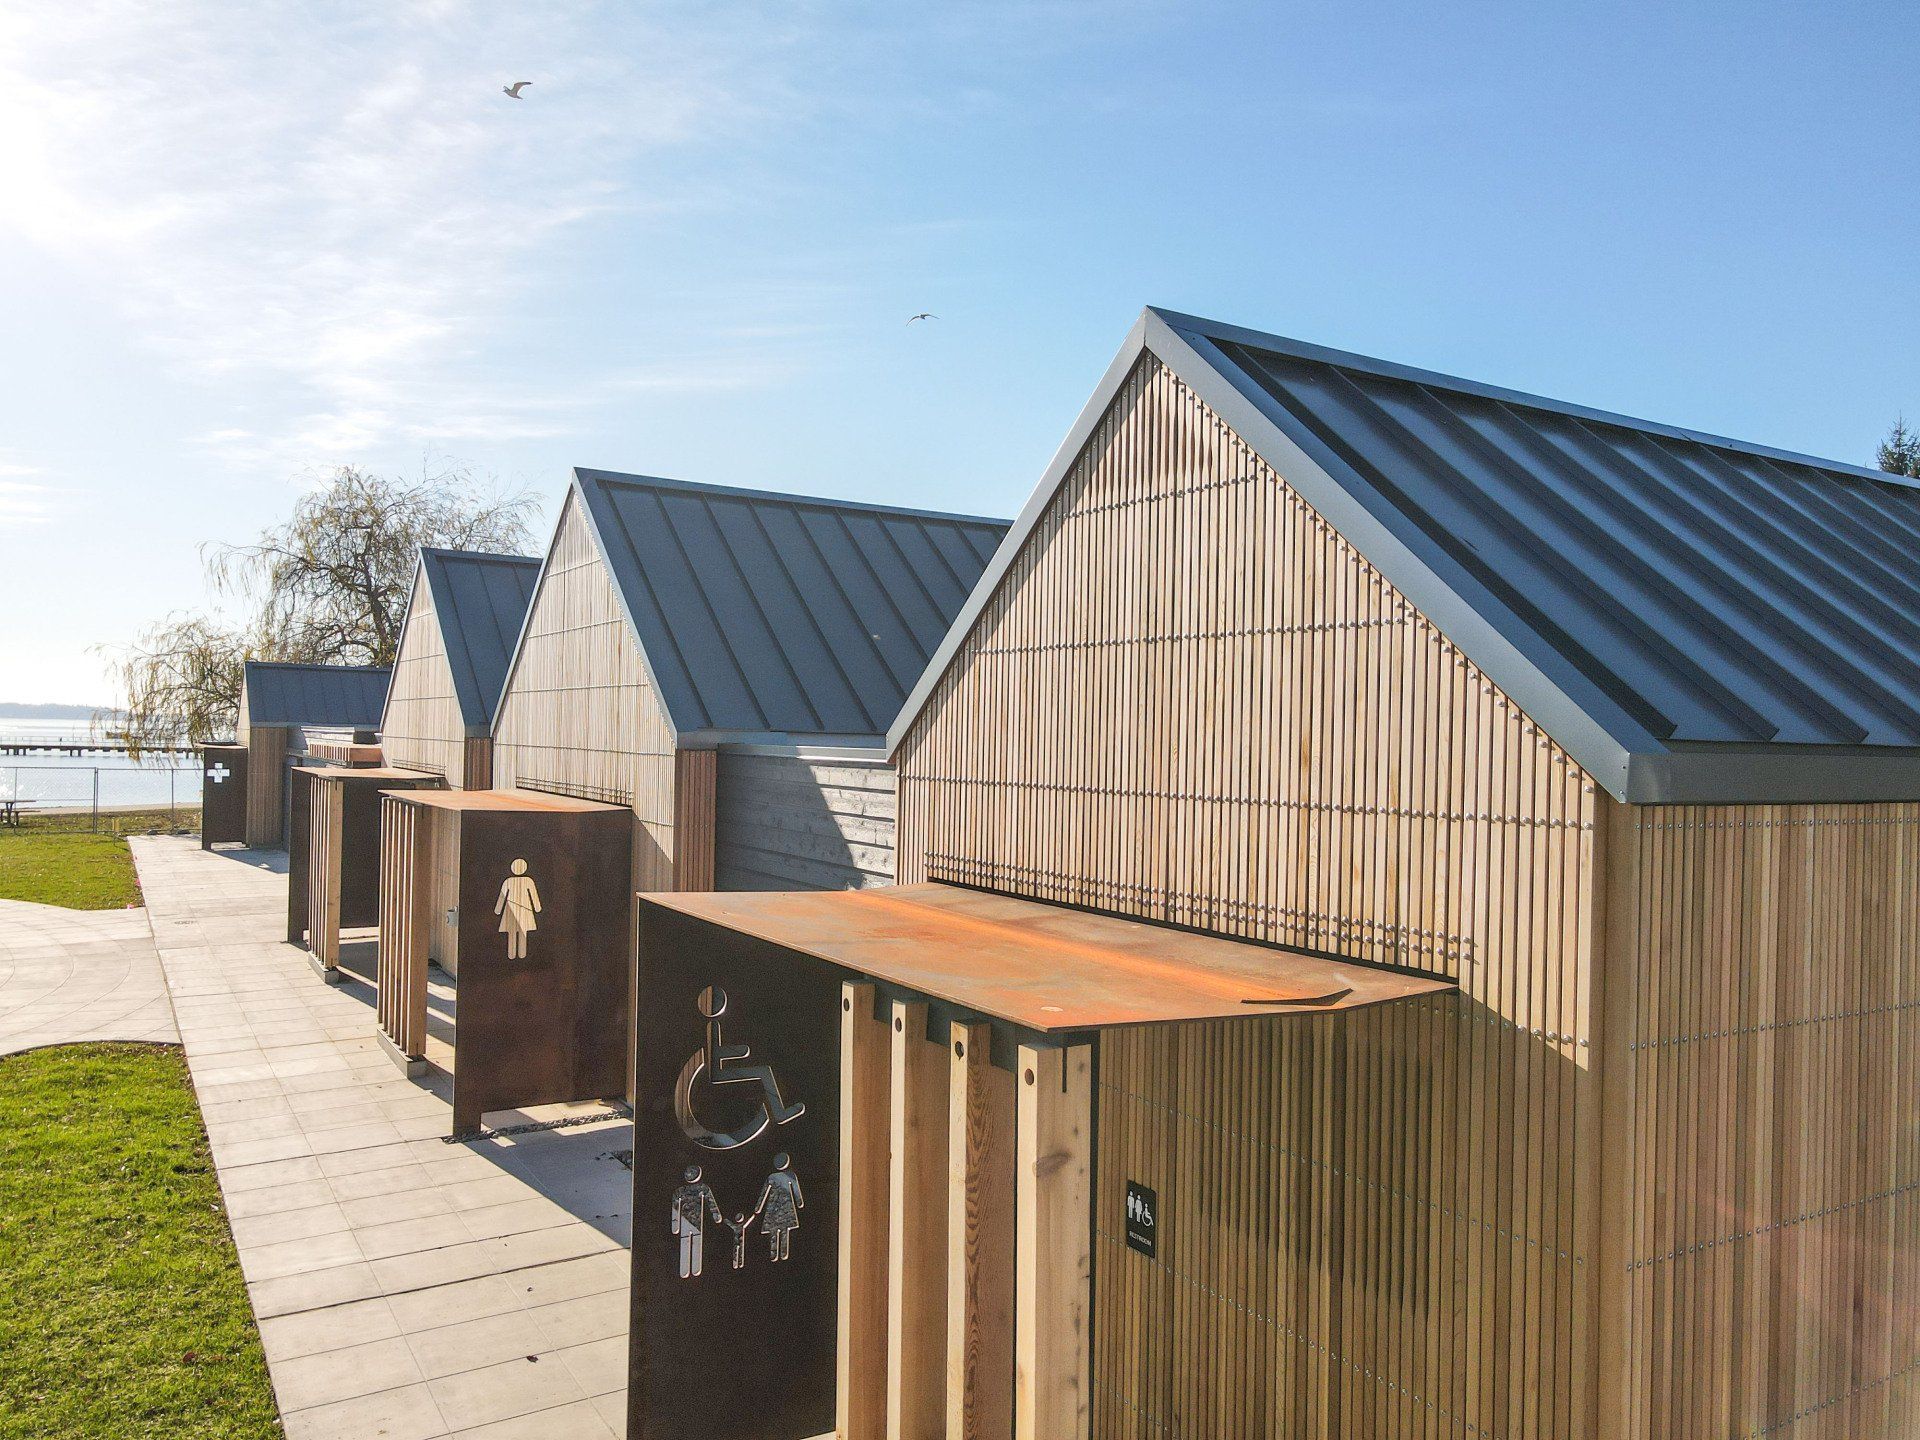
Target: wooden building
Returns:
[[463, 620], [726, 662], [1604, 731], [286, 710]]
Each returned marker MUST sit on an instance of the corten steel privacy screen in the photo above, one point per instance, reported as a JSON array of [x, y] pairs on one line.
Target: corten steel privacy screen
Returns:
[[735, 1187], [223, 795], [549, 1023]]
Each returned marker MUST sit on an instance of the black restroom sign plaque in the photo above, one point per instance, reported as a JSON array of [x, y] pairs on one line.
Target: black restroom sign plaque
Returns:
[[736, 1160], [1143, 1219]]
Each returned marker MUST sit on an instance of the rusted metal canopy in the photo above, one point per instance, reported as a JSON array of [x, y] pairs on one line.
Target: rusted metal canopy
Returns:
[[1043, 966]]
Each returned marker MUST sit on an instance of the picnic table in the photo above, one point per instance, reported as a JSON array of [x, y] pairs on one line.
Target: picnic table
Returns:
[[10, 811]]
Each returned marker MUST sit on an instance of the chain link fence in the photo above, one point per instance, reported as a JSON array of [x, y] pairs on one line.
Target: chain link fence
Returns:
[[116, 799]]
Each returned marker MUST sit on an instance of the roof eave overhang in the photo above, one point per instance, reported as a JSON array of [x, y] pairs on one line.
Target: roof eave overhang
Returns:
[[784, 743], [1774, 775]]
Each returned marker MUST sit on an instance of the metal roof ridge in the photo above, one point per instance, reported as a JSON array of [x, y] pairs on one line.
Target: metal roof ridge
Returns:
[[442, 552], [1219, 331], [315, 665], [738, 492]]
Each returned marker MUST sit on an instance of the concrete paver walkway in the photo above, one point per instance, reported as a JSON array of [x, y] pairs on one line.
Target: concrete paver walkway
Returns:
[[74, 975], [406, 1287]]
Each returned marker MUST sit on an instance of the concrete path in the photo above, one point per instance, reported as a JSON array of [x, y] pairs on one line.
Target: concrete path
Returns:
[[70, 975], [406, 1288]]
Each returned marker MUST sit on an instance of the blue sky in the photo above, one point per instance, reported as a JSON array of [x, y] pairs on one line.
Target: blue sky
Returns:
[[239, 245]]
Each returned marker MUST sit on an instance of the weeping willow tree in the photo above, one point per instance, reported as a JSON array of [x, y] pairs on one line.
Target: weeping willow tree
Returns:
[[329, 586]]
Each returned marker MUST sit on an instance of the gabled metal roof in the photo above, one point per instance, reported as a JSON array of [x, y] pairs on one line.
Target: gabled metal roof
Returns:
[[1690, 617], [327, 696], [775, 617], [480, 601]]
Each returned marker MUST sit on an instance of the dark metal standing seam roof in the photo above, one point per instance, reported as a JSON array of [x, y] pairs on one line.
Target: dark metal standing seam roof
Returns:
[[1710, 592], [480, 602], [766, 615], [1691, 617], [338, 696]]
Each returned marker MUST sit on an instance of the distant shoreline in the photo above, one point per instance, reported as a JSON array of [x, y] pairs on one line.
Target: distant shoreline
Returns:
[[13, 710]]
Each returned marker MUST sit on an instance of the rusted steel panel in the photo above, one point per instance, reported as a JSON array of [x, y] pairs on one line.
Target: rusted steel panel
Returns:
[[550, 1022], [544, 943], [1046, 967], [736, 1176]]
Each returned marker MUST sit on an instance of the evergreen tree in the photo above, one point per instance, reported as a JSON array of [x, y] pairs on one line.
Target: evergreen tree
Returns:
[[1900, 451]]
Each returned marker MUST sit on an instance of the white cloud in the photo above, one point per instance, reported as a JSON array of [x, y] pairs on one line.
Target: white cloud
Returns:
[[340, 207], [23, 504]]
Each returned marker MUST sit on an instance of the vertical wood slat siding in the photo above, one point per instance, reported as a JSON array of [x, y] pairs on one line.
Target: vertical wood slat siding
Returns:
[[406, 842], [423, 728], [326, 818], [794, 822], [1769, 1237], [693, 802], [579, 716], [477, 764], [1191, 700]]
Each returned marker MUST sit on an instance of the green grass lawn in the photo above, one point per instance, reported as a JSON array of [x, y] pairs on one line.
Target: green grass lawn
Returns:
[[122, 1310], [75, 869], [57, 860]]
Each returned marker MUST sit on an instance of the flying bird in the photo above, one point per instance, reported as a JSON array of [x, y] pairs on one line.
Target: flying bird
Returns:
[[923, 315], [512, 92]]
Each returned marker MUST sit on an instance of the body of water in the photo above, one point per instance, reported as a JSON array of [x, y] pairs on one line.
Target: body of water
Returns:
[[61, 781]]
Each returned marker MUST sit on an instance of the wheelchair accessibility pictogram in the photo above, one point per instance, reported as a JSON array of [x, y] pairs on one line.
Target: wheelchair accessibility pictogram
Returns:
[[722, 1065]]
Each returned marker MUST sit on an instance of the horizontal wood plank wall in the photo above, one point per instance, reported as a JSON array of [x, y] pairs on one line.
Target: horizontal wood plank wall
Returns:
[[1191, 700], [423, 728], [579, 716], [1771, 1240], [266, 786], [791, 822]]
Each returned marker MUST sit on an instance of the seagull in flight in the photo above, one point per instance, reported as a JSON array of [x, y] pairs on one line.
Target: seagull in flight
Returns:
[[923, 315], [512, 92]]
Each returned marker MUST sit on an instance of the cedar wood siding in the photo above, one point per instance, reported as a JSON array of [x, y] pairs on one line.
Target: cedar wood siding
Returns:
[[580, 716], [1762, 1055], [797, 822], [423, 728], [1652, 1173], [1190, 701]]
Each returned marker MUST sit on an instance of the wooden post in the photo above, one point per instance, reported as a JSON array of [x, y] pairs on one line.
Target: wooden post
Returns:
[[917, 1231], [476, 769], [695, 774], [1616, 886], [861, 1368], [1053, 1244], [328, 821], [980, 1247]]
